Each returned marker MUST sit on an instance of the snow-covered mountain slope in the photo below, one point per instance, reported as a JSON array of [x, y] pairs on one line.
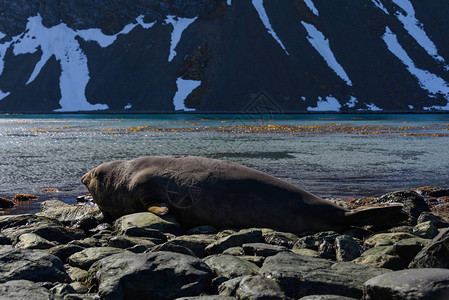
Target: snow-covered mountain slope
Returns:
[[217, 55]]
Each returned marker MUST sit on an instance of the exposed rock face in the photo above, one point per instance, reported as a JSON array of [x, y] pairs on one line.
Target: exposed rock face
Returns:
[[291, 56]]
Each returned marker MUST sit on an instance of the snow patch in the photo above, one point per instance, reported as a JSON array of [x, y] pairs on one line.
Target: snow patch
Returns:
[[128, 106], [380, 5], [229, 2], [437, 107], [416, 29], [311, 6], [352, 102], [3, 94], [321, 44], [303, 98], [185, 87], [59, 41], [372, 107], [330, 104], [179, 25], [410, 107], [258, 5], [104, 40], [427, 80], [3, 48]]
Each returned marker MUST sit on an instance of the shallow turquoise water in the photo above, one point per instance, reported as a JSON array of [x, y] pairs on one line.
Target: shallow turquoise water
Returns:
[[54, 151]]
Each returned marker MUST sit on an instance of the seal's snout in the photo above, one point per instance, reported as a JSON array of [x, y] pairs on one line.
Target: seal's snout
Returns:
[[86, 178]]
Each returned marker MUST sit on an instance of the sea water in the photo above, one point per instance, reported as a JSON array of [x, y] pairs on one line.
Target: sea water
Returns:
[[330, 155]]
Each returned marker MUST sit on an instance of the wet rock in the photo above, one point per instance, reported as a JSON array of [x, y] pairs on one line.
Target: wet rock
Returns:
[[24, 289], [347, 248], [64, 251], [252, 288], [196, 242], [234, 240], [19, 198], [314, 240], [407, 249], [76, 274], [86, 258], [387, 238], [279, 238], [229, 266], [125, 242], [414, 203], [438, 221], [33, 241], [62, 289], [262, 249], [300, 275], [426, 230], [149, 221], [33, 265], [423, 284], [205, 229], [435, 255], [158, 275], [169, 247]]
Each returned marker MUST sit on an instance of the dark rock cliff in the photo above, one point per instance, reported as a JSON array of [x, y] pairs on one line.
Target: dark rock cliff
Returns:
[[224, 56]]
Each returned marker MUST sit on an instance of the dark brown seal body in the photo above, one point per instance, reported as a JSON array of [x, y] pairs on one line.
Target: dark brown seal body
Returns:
[[202, 191]]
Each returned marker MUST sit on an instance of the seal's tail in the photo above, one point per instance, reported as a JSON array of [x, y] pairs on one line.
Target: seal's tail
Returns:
[[378, 215]]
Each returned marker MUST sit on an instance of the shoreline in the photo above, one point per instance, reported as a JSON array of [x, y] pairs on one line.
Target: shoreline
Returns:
[[80, 256]]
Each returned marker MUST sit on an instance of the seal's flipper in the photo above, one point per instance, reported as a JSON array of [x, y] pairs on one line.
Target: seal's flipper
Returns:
[[377, 215], [158, 210]]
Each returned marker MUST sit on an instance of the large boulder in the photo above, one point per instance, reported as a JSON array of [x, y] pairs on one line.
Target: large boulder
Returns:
[[32, 265], [147, 220], [434, 255], [158, 275], [422, 284], [300, 275]]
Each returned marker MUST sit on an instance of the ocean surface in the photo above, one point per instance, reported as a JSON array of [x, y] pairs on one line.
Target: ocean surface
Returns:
[[339, 155]]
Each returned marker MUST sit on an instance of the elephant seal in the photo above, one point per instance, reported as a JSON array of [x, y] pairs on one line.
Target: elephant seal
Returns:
[[202, 191]]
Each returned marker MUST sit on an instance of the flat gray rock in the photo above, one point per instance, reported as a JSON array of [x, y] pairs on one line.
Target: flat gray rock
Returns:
[[24, 289], [87, 257], [158, 275], [32, 265], [230, 266], [422, 284], [147, 220], [300, 275]]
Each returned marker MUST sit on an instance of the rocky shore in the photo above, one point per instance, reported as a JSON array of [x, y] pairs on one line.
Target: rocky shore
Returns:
[[68, 252]]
